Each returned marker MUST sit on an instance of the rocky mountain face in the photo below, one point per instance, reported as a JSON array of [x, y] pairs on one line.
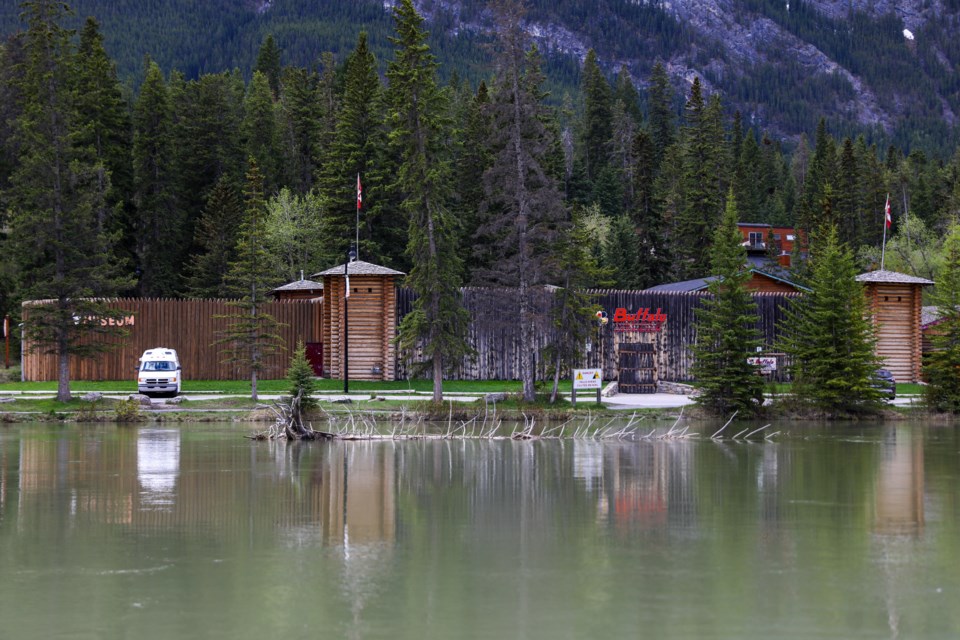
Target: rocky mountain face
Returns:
[[881, 65]]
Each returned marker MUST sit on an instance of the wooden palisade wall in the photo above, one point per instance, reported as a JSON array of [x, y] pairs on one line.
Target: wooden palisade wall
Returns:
[[494, 331], [190, 327]]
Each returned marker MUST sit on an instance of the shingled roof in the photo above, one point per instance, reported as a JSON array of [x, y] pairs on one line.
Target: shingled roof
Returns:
[[300, 285], [891, 277], [359, 268]]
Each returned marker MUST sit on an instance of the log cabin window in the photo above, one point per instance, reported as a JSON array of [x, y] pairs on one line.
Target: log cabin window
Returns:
[[369, 289]]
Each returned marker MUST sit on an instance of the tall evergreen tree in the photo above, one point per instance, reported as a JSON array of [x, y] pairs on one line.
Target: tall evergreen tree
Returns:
[[662, 129], [251, 334], [216, 241], [626, 92], [160, 224], [356, 145], [437, 322], [829, 334], [523, 204], [703, 182], [259, 130], [301, 132], [63, 255], [107, 131], [940, 368], [726, 328], [269, 64], [596, 128]]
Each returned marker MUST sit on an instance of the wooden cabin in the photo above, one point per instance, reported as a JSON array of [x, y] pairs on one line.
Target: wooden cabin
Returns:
[[760, 281], [895, 300], [369, 327]]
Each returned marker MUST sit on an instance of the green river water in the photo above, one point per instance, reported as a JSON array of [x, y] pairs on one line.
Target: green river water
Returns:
[[846, 531]]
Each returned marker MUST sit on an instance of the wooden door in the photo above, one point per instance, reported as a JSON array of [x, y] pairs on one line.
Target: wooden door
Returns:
[[636, 369]]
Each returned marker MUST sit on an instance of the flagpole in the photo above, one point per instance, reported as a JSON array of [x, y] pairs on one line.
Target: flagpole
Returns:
[[886, 223], [359, 200]]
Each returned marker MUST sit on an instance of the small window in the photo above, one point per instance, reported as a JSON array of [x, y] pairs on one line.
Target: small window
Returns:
[[776, 236], [756, 237], [369, 289], [789, 237]]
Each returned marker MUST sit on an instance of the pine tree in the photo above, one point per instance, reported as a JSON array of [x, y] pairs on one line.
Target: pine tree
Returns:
[[251, 335], [63, 256], [437, 323], [943, 362], [596, 126], [301, 133], [726, 328], [573, 308], [269, 64], [829, 335], [662, 118], [216, 241], [302, 381], [703, 181], [523, 205], [626, 92], [356, 146], [107, 131], [259, 130], [160, 224]]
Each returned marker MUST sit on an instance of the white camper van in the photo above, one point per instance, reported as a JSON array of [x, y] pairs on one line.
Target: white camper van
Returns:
[[159, 372]]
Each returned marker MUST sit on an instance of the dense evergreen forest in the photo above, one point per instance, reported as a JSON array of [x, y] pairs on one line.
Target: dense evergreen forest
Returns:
[[779, 84], [149, 188]]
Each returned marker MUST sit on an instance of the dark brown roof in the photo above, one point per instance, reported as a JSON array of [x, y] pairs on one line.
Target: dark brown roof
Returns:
[[891, 277], [359, 268]]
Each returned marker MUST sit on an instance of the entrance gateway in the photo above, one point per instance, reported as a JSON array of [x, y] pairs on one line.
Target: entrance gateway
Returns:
[[637, 371]]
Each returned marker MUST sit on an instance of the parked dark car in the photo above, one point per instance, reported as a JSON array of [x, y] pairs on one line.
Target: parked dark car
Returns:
[[884, 381]]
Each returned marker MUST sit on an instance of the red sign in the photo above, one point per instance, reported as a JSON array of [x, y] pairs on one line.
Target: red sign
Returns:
[[642, 321]]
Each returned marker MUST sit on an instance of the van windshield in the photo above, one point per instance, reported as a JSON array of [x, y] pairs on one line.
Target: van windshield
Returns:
[[159, 365]]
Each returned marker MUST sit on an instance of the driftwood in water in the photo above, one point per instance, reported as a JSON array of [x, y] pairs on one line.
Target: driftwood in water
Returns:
[[290, 425]]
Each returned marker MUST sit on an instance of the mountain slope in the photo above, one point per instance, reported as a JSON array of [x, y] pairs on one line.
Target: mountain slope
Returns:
[[888, 67]]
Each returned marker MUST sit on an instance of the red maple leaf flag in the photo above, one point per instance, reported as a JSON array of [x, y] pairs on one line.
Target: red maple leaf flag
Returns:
[[887, 220], [360, 193]]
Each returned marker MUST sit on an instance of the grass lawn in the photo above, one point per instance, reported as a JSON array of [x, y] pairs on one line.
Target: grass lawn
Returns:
[[281, 386]]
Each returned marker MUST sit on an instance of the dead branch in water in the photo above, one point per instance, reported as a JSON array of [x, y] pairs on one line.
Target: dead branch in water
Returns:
[[289, 424]]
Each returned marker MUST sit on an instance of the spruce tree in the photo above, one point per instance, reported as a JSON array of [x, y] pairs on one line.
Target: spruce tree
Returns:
[[57, 189], [160, 240], [301, 134], [301, 378], [943, 362], [662, 131], [355, 147], [596, 125], [437, 324], [107, 131], [251, 335], [216, 241], [727, 332], [268, 63], [523, 205], [259, 130], [829, 335]]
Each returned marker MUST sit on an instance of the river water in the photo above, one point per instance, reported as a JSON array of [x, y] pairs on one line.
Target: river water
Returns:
[[848, 531]]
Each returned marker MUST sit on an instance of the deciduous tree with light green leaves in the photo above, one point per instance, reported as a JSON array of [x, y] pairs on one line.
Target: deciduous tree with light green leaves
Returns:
[[829, 335], [727, 331]]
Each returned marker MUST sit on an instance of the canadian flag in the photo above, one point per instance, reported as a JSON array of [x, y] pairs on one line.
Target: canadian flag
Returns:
[[360, 193], [887, 220]]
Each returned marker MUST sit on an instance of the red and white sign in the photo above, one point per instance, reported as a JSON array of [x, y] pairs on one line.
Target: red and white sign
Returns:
[[643, 321]]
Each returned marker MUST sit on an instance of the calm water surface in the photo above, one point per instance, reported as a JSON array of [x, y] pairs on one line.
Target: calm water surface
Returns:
[[196, 532]]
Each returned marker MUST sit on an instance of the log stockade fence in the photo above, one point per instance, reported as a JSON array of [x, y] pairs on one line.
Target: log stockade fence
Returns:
[[191, 327], [494, 331]]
